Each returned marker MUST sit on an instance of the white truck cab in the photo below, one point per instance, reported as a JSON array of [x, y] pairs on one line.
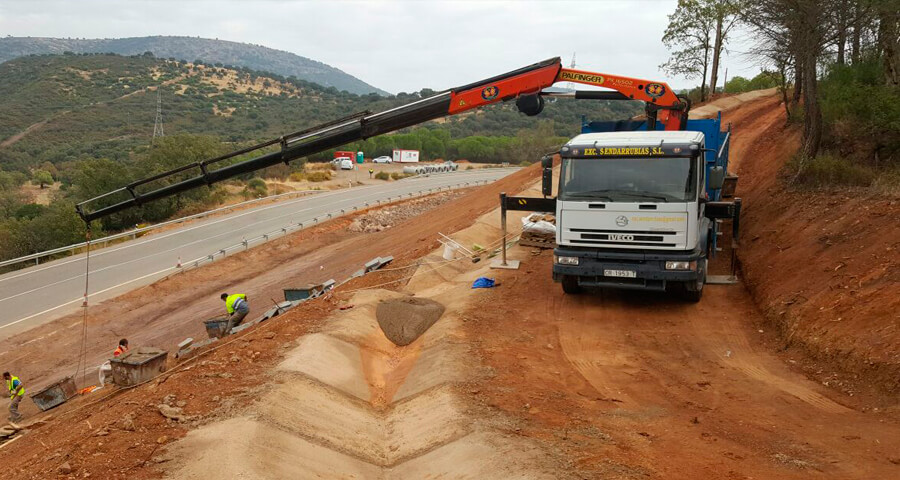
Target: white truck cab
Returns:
[[630, 212]]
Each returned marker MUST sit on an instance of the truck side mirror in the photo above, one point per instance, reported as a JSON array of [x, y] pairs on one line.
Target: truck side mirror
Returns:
[[547, 175], [716, 177]]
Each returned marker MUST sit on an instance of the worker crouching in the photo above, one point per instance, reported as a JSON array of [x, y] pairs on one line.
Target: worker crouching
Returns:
[[16, 392], [237, 307]]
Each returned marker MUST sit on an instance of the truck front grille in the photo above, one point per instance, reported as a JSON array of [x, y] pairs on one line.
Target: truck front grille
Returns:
[[602, 242], [592, 236]]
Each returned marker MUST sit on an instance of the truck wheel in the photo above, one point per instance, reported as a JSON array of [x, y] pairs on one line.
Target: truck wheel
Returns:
[[693, 291], [570, 285]]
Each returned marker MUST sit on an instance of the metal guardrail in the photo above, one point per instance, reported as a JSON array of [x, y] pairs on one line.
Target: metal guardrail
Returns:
[[137, 231], [292, 227]]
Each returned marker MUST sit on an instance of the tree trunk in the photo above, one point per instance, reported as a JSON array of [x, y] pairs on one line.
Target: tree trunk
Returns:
[[717, 50], [857, 33], [888, 30], [782, 68], [798, 82], [812, 125], [842, 36], [703, 80]]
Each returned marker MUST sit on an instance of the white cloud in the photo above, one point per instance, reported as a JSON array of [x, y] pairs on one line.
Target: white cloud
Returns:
[[396, 46]]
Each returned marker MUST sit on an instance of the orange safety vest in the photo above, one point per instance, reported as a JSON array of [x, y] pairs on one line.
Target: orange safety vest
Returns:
[[120, 350]]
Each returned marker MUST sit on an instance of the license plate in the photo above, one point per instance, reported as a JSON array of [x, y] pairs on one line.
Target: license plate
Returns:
[[620, 273]]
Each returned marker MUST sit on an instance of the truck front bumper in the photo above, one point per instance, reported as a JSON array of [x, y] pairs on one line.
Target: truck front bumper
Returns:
[[648, 266]]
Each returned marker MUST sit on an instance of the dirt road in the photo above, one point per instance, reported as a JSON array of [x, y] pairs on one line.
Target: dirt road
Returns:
[[631, 386]]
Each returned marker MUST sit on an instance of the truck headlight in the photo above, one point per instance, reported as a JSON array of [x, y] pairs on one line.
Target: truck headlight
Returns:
[[565, 260], [681, 265]]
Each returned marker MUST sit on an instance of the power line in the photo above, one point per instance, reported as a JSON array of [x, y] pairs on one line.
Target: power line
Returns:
[[158, 125]]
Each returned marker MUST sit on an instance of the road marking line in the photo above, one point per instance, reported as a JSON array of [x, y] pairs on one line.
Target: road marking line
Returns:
[[82, 297], [349, 199], [153, 238]]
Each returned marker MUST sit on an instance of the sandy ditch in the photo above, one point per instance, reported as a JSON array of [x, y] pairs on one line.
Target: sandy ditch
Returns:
[[349, 403]]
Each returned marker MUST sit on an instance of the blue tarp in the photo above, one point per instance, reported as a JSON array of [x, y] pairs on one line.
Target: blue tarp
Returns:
[[483, 282]]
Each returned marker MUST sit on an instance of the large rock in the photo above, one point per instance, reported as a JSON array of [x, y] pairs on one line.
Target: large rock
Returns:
[[403, 320]]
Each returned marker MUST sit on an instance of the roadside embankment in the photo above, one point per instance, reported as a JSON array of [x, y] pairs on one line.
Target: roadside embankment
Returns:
[[823, 266]]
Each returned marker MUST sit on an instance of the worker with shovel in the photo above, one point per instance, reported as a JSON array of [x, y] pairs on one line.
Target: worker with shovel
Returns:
[[16, 392], [237, 307]]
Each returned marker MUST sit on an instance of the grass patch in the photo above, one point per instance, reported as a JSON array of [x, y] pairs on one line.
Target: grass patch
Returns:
[[319, 166], [383, 176], [314, 176], [319, 176], [828, 171], [400, 175]]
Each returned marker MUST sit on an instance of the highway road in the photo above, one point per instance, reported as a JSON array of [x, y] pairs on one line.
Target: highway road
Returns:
[[38, 294]]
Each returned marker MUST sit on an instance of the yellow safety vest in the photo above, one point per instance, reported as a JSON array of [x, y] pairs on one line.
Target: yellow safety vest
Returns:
[[9, 386], [231, 299]]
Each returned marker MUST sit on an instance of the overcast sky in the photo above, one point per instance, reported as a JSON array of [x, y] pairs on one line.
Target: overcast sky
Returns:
[[393, 45]]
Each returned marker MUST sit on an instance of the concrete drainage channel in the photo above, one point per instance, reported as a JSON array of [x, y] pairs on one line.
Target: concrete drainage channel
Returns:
[[348, 403]]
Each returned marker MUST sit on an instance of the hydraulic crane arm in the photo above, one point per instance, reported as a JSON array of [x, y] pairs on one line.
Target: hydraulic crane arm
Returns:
[[524, 85]]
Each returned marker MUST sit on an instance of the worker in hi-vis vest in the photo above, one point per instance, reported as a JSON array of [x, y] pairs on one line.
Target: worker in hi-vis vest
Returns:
[[16, 392], [237, 307]]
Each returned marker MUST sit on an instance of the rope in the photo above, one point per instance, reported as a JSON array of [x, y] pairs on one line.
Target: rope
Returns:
[[82, 362]]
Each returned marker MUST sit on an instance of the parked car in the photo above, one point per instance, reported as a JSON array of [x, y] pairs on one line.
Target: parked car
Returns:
[[383, 159], [346, 164]]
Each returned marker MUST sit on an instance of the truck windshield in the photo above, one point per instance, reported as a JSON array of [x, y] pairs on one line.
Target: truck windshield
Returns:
[[668, 179]]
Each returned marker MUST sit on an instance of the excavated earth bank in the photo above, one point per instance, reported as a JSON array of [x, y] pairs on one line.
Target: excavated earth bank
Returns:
[[349, 403]]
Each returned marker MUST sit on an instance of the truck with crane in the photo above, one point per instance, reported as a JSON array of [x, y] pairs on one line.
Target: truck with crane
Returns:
[[639, 202], [641, 209]]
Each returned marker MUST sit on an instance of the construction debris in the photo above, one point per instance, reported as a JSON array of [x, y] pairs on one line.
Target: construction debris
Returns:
[[538, 230], [172, 413], [389, 216], [403, 320], [8, 433]]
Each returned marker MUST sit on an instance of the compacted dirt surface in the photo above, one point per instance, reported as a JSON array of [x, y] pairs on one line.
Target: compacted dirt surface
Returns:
[[629, 386], [517, 381]]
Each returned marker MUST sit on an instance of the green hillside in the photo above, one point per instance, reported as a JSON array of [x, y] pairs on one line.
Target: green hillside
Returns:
[[84, 123], [189, 49], [104, 106]]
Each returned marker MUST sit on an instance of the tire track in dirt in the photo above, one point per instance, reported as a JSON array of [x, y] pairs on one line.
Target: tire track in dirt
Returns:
[[726, 340], [593, 328]]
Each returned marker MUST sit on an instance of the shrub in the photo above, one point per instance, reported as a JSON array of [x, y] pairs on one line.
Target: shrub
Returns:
[[318, 166], [256, 187], [297, 177], [383, 176], [399, 175], [861, 113], [319, 176]]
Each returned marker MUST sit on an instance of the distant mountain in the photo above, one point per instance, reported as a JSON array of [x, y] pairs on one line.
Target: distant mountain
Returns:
[[210, 51], [71, 107]]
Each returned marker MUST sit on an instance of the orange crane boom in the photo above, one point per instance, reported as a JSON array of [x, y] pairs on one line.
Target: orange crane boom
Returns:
[[524, 85]]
